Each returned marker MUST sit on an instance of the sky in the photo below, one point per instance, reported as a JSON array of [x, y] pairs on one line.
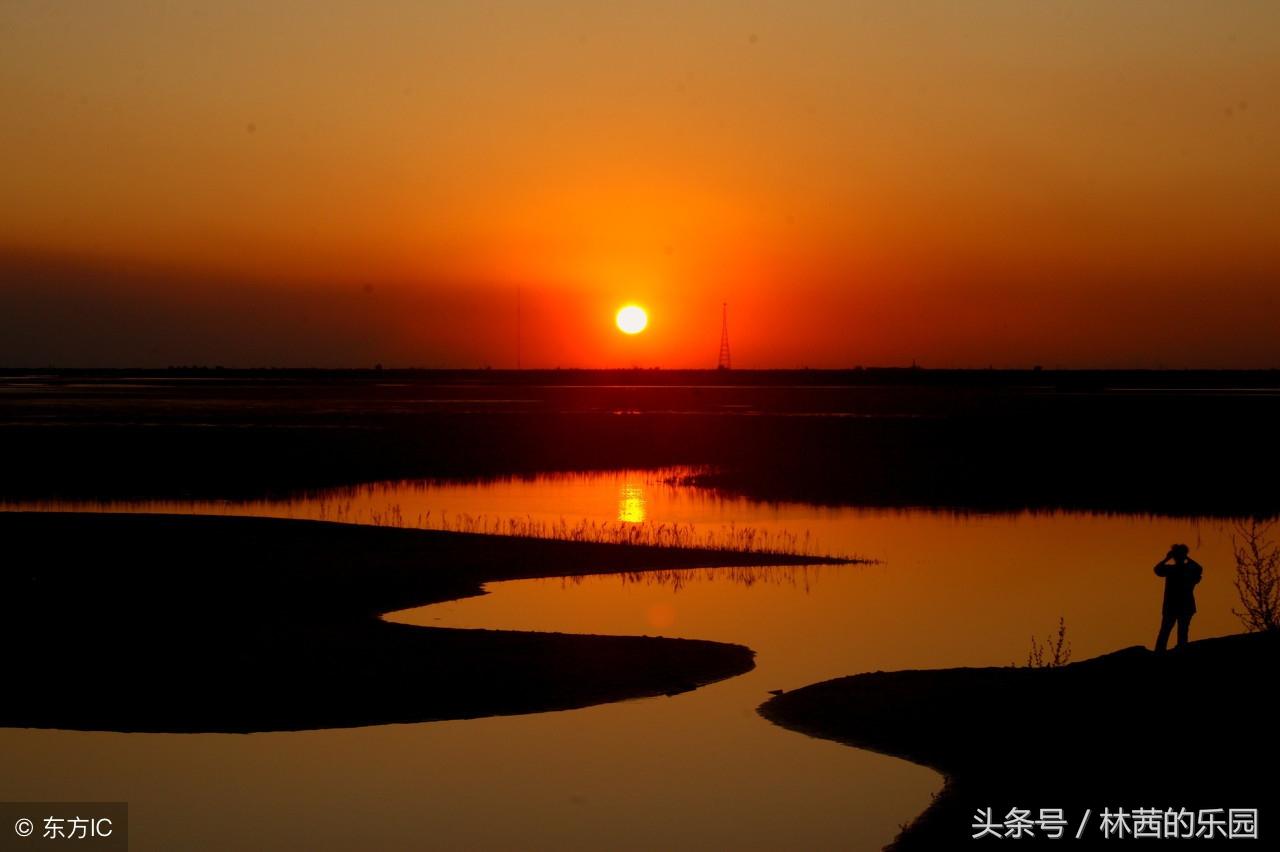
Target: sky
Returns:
[[465, 184]]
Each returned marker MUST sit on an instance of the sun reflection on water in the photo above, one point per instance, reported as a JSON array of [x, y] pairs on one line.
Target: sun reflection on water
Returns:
[[631, 503]]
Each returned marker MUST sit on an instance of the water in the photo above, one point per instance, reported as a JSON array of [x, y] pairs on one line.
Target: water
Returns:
[[693, 771]]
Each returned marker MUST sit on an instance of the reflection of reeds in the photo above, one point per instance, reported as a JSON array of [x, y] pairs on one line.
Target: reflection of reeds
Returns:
[[797, 576]]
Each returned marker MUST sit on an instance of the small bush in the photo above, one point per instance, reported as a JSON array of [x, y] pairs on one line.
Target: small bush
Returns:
[[1257, 577], [1055, 652]]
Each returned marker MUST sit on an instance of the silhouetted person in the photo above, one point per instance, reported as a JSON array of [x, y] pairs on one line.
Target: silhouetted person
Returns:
[[1181, 573]]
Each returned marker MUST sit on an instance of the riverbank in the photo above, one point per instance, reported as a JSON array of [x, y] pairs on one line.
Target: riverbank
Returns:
[[985, 440], [169, 623], [1193, 728]]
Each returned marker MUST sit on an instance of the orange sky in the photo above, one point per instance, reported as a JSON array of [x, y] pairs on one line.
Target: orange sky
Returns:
[[1007, 183]]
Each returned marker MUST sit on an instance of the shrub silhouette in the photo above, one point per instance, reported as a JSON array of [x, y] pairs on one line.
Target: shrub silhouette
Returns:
[[1055, 652], [1257, 576]]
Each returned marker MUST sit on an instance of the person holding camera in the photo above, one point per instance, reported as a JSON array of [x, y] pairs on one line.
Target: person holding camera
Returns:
[[1181, 574]]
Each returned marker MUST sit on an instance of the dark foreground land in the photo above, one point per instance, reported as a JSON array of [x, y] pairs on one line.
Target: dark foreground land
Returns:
[[1192, 728], [1175, 442], [187, 624]]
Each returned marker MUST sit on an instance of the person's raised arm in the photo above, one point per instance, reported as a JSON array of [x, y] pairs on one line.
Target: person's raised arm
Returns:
[[1162, 567], [1196, 572]]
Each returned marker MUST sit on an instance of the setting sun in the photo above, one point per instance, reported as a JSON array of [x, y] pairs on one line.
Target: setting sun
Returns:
[[632, 319]]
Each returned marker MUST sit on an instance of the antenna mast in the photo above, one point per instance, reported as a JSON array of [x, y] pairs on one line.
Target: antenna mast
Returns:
[[723, 363]]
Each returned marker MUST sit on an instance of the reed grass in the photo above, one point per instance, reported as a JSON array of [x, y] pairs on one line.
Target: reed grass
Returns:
[[726, 537], [346, 509]]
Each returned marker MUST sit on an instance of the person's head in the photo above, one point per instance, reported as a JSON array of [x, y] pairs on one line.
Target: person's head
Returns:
[[1179, 552]]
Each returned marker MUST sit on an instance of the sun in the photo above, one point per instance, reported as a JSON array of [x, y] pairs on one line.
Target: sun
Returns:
[[632, 319]]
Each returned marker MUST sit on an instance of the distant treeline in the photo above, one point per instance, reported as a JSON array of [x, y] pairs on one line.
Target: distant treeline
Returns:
[[906, 375]]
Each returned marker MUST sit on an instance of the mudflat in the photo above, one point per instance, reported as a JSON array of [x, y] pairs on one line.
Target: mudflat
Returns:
[[1189, 728], [190, 623]]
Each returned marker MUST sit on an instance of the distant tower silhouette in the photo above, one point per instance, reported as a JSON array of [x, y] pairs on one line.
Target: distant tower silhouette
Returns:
[[723, 363]]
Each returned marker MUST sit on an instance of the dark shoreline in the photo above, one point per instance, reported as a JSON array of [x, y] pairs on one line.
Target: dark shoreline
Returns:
[[165, 623], [1129, 729], [1123, 441], [866, 374]]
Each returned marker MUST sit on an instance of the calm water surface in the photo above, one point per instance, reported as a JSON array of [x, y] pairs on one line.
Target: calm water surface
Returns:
[[693, 771]]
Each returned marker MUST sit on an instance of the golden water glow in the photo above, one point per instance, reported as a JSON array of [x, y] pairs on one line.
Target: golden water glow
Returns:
[[661, 616], [632, 319], [631, 503], [953, 590]]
